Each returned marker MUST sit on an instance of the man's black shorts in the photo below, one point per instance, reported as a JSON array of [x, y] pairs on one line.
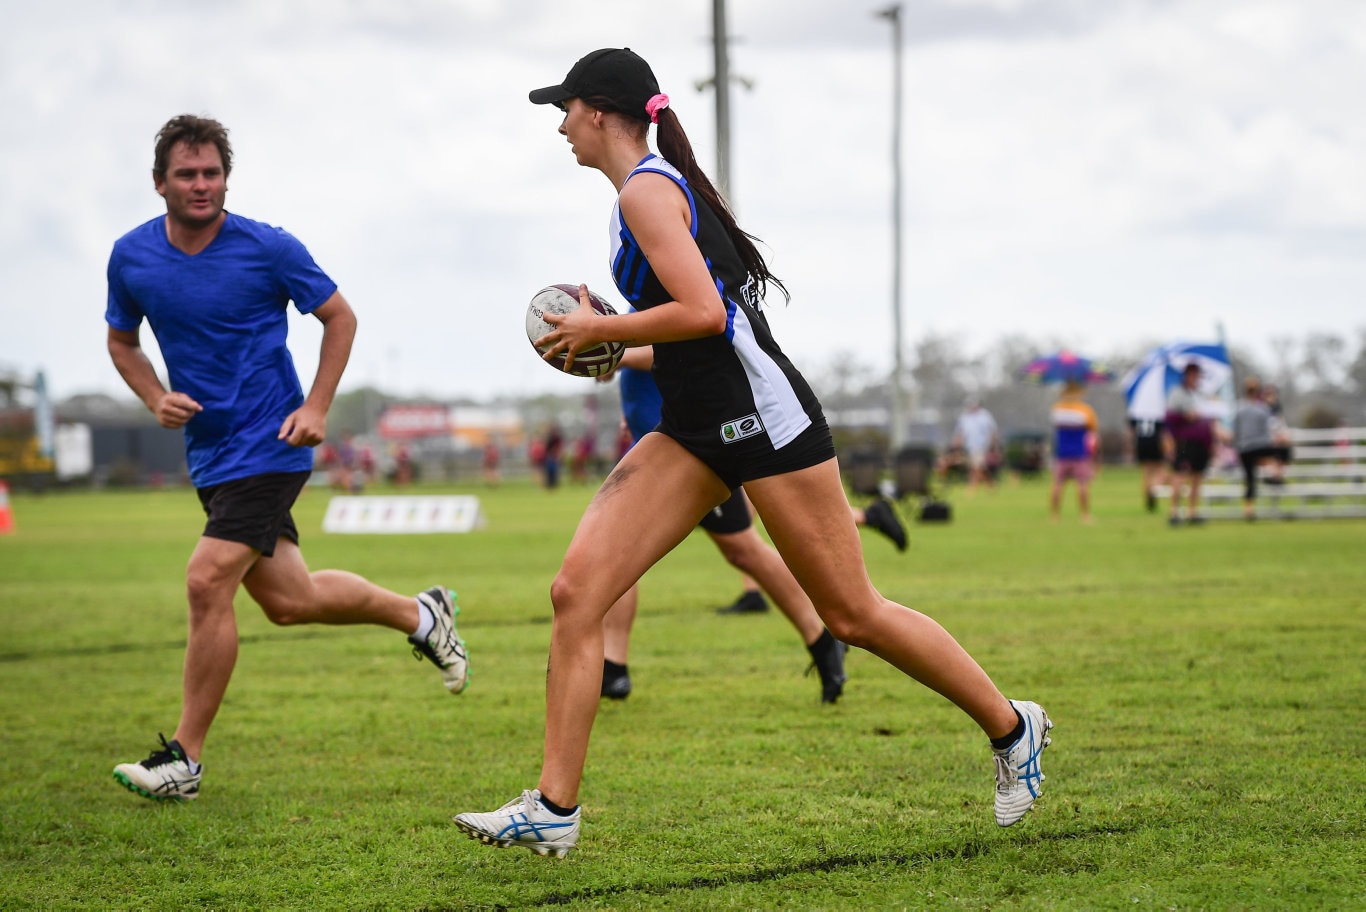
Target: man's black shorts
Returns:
[[1191, 456], [253, 511], [730, 517], [1147, 441]]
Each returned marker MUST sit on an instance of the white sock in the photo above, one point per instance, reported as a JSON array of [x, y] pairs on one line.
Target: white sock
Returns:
[[425, 621]]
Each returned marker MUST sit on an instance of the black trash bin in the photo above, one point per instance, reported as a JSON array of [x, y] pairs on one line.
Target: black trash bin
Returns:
[[865, 471], [912, 471]]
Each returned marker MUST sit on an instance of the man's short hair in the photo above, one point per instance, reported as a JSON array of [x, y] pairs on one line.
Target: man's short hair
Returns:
[[192, 131]]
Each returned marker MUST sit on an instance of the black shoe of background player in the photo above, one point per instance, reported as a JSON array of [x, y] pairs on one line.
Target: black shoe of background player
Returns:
[[880, 516], [827, 657], [751, 602], [616, 683]]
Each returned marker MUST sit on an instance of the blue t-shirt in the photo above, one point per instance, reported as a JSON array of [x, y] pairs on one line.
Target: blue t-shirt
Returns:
[[641, 402], [219, 319]]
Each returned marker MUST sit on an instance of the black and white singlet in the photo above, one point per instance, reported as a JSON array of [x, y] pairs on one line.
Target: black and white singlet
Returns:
[[732, 399]]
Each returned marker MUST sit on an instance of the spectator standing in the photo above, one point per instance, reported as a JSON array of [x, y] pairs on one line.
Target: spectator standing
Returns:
[[1192, 435], [1150, 455], [1252, 437], [977, 434], [1074, 449], [551, 454], [491, 459], [1280, 430]]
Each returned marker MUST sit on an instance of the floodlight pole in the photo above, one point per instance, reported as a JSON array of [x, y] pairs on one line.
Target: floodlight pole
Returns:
[[721, 58], [898, 431]]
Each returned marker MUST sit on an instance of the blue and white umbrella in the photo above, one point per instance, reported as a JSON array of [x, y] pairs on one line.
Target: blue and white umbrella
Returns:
[[1147, 385]]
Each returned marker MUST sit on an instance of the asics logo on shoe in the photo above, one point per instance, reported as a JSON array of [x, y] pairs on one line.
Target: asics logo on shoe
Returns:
[[167, 773], [1019, 773], [442, 646], [524, 821], [520, 829], [1029, 770], [170, 784]]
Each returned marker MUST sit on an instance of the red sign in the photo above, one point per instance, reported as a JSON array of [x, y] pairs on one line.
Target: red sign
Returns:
[[408, 422]]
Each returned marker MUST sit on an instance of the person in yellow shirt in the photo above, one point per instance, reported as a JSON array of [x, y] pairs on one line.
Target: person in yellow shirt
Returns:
[[1074, 449]]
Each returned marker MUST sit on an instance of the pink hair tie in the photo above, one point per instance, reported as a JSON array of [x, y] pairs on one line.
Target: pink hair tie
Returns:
[[655, 105]]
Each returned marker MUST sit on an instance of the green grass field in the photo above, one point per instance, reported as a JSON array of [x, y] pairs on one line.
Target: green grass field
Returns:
[[1207, 686]]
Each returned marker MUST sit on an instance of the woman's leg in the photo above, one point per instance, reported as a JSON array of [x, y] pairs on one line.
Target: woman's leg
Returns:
[[616, 626], [807, 516], [752, 556], [647, 505]]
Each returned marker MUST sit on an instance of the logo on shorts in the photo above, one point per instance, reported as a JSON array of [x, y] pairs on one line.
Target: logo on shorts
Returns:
[[740, 428]]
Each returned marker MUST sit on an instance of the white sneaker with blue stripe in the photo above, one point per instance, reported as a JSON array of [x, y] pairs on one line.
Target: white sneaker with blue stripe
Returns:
[[526, 822], [1018, 774]]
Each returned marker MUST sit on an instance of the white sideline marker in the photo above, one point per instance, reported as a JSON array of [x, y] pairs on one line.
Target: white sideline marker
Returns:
[[402, 515]]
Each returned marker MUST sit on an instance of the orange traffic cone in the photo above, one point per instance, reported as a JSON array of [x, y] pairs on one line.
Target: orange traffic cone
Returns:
[[6, 514]]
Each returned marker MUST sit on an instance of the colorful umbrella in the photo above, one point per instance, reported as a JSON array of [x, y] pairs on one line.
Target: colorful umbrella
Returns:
[[1066, 367], [1147, 385]]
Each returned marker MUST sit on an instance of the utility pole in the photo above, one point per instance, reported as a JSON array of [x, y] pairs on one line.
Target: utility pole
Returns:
[[898, 429], [720, 43], [720, 81]]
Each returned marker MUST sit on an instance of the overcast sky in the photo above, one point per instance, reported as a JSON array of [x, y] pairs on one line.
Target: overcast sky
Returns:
[[1100, 172]]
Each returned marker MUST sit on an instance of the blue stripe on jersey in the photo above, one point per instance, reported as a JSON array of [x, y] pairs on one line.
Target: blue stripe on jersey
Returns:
[[628, 263], [731, 307], [775, 397]]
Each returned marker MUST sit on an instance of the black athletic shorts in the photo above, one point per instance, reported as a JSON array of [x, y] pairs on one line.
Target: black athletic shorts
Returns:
[[253, 511], [1191, 456], [730, 517], [754, 457], [1147, 441]]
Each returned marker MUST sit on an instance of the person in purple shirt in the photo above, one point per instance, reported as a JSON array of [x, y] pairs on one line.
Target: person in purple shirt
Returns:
[[214, 288], [1192, 435]]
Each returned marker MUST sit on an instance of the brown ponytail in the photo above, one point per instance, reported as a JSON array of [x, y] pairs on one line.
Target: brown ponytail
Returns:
[[677, 151]]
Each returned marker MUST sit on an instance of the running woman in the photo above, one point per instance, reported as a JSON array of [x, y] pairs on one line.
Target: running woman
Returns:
[[736, 413]]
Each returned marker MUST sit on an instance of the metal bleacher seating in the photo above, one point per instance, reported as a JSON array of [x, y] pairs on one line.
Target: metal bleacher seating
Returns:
[[1326, 478]]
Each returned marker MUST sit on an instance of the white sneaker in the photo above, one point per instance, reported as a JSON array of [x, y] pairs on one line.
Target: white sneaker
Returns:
[[164, 776], [443, 646], [526, 822], [1018, 774]]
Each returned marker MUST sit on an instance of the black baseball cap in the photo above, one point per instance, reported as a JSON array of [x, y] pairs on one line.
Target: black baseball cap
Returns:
[[619, 75]]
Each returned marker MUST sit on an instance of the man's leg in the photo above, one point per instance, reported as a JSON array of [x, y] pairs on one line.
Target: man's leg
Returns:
[[289, 594], [1193, 504], [215, 571], [751, 555]]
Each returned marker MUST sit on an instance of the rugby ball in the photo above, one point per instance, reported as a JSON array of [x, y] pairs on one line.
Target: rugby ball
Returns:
[[562, 299]]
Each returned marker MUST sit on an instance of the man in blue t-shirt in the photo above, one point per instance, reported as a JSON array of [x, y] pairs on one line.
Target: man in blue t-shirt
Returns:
[[214, 288]]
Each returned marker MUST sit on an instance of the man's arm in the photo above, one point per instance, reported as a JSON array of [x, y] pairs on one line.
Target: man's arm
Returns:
[[307, 425], [171, 409]]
